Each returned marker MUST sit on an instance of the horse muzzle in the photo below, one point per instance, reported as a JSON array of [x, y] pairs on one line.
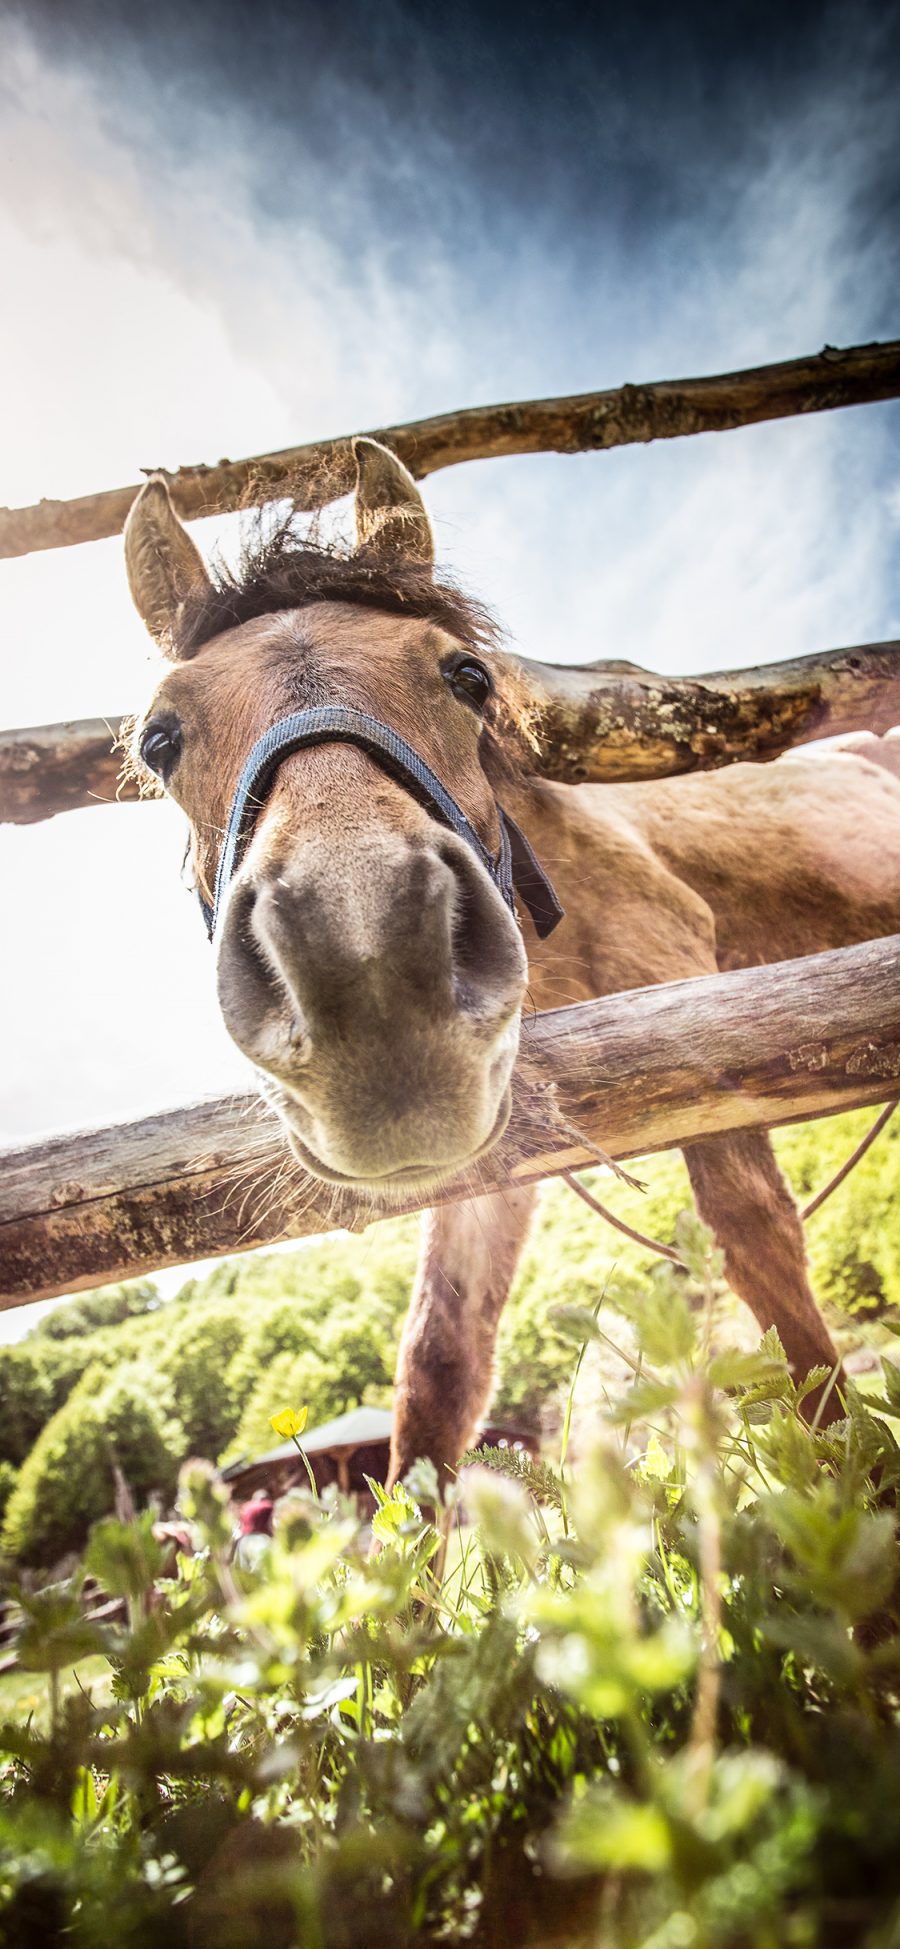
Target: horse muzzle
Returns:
[[380, 1004]]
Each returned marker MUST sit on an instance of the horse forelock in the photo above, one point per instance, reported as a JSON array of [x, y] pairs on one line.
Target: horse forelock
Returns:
[[283, 566]]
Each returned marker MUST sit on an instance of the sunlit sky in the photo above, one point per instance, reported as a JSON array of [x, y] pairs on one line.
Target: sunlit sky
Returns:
[[219, 237]]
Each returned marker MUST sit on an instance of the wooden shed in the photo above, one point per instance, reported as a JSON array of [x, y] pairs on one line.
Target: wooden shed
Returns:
[[344, 1451]]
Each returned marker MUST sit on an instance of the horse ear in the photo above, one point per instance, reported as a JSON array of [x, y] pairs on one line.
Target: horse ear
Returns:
[[164, 566], [390, 512]]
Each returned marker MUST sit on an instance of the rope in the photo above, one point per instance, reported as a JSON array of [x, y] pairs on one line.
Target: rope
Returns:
[[639, 1238], [669, 1252], [846, 1168]]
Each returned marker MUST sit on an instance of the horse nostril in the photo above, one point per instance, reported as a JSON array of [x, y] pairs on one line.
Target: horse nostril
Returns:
[[488, 960], [464, 948], [261, 1013]]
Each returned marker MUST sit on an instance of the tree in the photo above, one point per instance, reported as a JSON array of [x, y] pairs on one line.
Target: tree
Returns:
[[26, 1400], [197, 1363], [8, 1479], [67, 1481], [281, 1327], [106, 1306], [290, 1381]]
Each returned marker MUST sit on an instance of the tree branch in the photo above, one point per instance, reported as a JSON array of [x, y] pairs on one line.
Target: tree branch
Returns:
[[323, 470], [604, 722], [610, 722], [52, 768], [635, 1073]]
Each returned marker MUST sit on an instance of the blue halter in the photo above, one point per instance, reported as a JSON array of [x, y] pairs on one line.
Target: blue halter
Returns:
[[514, 871]]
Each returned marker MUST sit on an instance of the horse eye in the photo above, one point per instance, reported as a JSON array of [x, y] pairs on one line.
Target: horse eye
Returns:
[[470, 681], [160, 749]]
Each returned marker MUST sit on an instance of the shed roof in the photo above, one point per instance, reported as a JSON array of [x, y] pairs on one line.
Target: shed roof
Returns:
[[350, 1430]]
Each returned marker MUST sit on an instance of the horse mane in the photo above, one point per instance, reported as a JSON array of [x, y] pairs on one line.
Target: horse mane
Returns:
[[282, 565]]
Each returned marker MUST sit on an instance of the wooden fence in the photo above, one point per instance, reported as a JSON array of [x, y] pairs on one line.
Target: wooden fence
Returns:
[[324, 470], [97, 1607], [604, 721], [636, 1072]]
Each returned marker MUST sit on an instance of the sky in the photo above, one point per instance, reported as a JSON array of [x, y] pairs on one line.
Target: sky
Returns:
[[225, 229]]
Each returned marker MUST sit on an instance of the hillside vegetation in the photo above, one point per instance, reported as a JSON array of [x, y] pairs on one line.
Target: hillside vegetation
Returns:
[[117, 1375], [652, 1702]]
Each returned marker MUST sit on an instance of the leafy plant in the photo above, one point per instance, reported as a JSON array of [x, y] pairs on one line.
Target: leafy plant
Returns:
[[652, 1700]]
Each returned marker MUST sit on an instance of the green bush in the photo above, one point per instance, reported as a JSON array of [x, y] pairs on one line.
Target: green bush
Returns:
[[195, 1360], [275, 1328], [854, 1240], [318, 1278], [651, 1701], [357, 1369], [8, 1479], [26, 1400], [107, 1306], [291, 1380], [570, 1255], [38, 1375], [853, 1244], [68, 1479]]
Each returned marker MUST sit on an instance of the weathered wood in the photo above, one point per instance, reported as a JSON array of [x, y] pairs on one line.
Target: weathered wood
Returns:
[[636, 1072], [322, 470], [52, 768], [603, 721], [610, 722]]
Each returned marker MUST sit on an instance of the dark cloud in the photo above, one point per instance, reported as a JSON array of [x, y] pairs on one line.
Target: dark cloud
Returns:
[[392, 208], [625, 117], [294, 220]]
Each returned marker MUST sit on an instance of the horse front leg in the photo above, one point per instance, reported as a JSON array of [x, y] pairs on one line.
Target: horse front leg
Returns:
[[445, 1368], [741, 1194]]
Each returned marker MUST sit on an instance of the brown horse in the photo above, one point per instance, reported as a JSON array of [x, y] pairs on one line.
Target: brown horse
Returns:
[[368, 964]]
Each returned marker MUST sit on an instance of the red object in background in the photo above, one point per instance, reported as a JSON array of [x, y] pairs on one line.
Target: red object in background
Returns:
[[256, 1517]]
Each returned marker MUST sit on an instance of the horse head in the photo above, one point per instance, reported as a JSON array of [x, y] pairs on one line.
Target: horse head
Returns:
[[368, 963]]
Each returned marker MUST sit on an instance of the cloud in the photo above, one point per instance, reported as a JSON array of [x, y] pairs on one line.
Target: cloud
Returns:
[[219, 242]]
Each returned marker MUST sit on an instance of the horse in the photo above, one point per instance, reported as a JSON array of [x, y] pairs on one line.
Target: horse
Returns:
[[372, 959]]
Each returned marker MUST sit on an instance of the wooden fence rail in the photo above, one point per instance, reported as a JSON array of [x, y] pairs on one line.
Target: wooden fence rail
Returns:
[[603, 721], [97, 1608], [635, 1072], [323, 470]]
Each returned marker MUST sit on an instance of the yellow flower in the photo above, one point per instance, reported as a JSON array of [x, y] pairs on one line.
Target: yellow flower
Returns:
[[290, 1422]]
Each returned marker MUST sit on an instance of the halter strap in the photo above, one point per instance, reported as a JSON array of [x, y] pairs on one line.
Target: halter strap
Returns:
[[515, 869]]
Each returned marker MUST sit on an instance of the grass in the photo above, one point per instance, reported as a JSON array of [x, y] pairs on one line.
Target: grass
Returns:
[[26, 1695]]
